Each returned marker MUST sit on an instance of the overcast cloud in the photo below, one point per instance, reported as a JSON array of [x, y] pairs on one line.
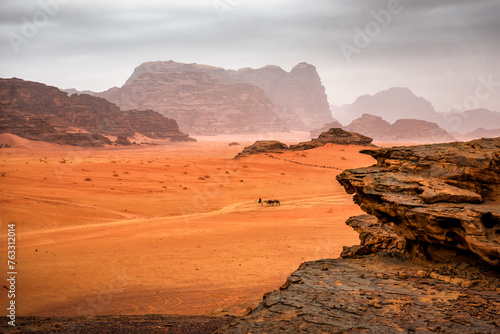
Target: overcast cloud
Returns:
[[442, 50]]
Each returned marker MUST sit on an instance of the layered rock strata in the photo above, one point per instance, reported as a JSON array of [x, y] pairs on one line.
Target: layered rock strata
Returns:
[[38, 112], [426, 203], [209, 100], [441, 198]]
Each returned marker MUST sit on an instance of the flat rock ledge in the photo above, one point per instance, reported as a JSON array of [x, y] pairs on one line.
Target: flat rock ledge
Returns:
[[379, 293]]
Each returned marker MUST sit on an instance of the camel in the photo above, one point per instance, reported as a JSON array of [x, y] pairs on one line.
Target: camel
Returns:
[[272, 202]]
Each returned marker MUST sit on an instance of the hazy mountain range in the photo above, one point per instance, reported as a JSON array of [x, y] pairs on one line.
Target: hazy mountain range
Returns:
[[207, 100], [400, 103]]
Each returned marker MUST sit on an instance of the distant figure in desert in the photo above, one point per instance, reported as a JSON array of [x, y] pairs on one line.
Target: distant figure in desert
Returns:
[[260, 201], [272, 202]]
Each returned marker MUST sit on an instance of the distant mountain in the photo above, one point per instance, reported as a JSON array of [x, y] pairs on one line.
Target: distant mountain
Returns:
[[483, 133], [392, 104], [38, 112], [403, 130], [470, 120], [301, 97], [72, 91], [210, 100]]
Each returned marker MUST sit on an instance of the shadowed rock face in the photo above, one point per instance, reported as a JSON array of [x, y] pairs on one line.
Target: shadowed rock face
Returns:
[[442, 198], [38, 112], [210, 100]]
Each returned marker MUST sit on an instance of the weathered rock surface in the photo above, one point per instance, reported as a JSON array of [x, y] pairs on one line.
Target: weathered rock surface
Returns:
[[374, 237], [263, 146], [381, 293], [426, 203], [38, 112], [334, 136], [403, 130], [210, 100], [443, 198]]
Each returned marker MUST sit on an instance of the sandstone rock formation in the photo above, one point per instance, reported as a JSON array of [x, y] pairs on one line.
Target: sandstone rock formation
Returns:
[[209, 100], [335, 136], [403, 130], [299, 94], [374, 237], [381, 293], [35, 111], [262, 146], [443, 198], [316, 132], [429, 202]]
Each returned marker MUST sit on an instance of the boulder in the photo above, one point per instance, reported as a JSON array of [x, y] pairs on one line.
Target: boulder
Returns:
[[335, 136], [262, 146], [38, 112]]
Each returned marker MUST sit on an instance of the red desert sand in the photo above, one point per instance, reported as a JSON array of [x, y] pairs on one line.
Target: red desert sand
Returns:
[[170, 229]]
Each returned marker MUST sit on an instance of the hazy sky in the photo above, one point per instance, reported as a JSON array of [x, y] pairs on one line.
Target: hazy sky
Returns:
[[446, 51]]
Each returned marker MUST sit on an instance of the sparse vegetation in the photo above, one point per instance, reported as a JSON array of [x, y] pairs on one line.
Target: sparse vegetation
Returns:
[[88, 179], [343, 158]]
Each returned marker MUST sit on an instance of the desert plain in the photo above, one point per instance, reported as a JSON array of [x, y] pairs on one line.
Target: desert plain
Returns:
[[166, 229]]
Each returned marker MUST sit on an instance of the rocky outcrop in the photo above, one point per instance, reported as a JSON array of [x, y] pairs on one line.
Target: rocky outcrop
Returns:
[[443, 199], [262, 146], [210, 100], [316, 132], [426, 203], [381, 293], [403, 130], [374, 237], [335, 136], [38, 112]]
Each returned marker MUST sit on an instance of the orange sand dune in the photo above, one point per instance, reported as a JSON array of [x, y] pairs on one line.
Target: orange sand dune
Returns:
[[167, 229]]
